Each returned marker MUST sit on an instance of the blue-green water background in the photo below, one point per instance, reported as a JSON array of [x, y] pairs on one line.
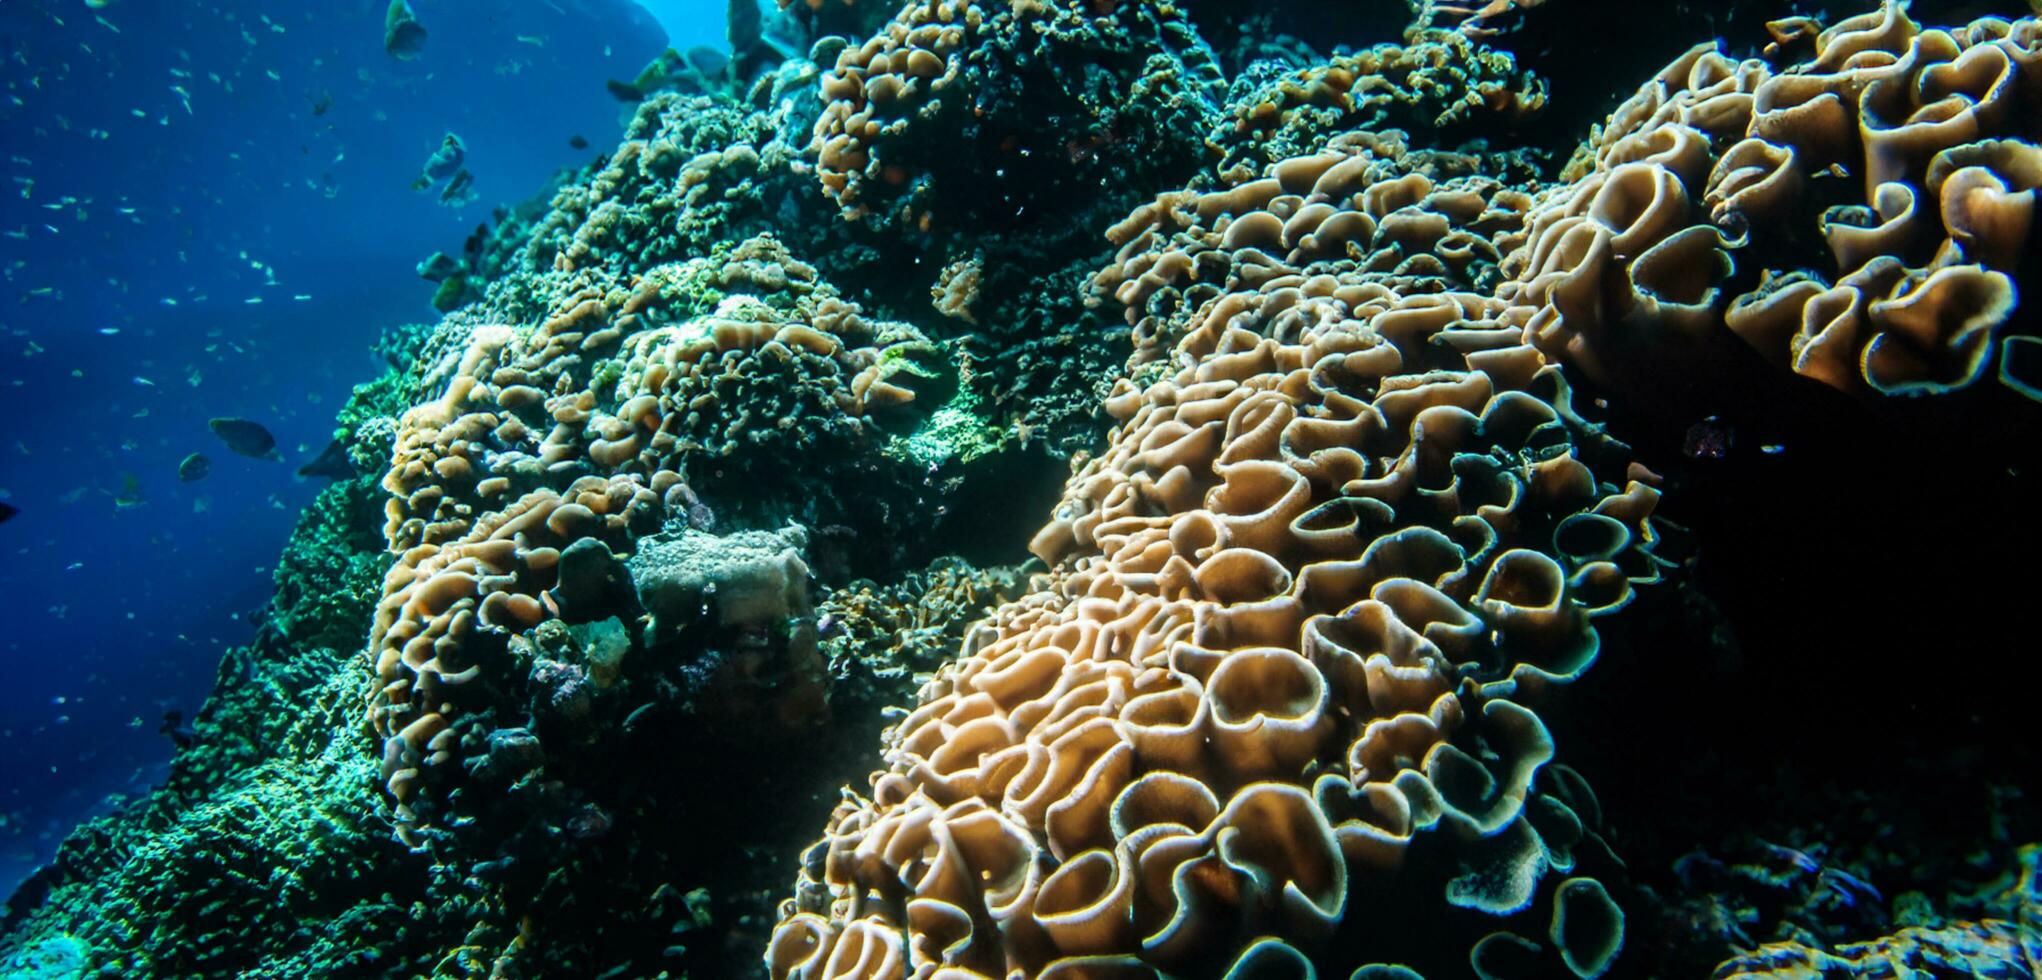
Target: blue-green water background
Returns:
[[165, 169]]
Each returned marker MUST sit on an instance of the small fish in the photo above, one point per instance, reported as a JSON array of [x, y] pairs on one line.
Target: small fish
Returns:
[[1849, 888], [131, 493], [174, 728], [1800, 860], [7, 512], [331, 463], [194, 468], [246, 437], [459, 191], [445, 162], [403, 35], [578, 141], [1711, 438]]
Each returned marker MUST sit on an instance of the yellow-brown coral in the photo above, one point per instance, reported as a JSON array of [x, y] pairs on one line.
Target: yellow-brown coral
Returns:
[[1300, 609], [1679, 222], [1351, 210], [583, 428]]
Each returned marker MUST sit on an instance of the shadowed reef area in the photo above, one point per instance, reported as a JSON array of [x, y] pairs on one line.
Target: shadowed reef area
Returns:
[[1505, 490]]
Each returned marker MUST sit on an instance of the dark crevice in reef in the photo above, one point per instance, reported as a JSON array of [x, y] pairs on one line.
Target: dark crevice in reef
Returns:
[[1831, 655]]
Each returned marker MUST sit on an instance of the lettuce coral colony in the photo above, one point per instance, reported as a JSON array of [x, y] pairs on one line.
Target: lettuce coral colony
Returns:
[[747, 435]]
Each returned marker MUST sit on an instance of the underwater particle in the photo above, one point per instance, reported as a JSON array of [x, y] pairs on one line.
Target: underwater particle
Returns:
[[194, 468], [578, 141], [331, 463], [246, 437], [1711, 438], [403, 35]]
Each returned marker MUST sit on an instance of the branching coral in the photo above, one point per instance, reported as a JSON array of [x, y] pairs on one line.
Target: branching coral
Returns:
[[1437, 85], [692, 171], [914, 624], [938, 120]]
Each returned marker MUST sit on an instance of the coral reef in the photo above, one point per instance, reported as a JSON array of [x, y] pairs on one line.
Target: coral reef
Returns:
[[1164, 759], [931, 122], [1365, 209], [1299, 607], [1998, 947], [1857, 218], [1441, 84], [1317, 381]]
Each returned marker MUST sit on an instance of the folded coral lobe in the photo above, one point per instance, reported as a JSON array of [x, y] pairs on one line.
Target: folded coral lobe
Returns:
[[1865, 216], [1304, 611], [1275, 704]]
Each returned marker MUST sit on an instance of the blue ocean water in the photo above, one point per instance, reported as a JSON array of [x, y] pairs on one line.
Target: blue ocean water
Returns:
[[208, 212]]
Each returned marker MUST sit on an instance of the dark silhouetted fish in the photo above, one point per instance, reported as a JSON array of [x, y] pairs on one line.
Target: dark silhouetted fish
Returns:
[[247, 438], [438, 266], [403, 35], [194, 468], [131, 492], [578, 141], [331, 463], [444, 163], [7, 512], [1711, 438], [459, 191], [174, 728]]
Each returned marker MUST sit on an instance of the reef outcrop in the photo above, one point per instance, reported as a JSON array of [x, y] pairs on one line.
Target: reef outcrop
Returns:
[[1219, 472], [1301, 602], [1859, 217]]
